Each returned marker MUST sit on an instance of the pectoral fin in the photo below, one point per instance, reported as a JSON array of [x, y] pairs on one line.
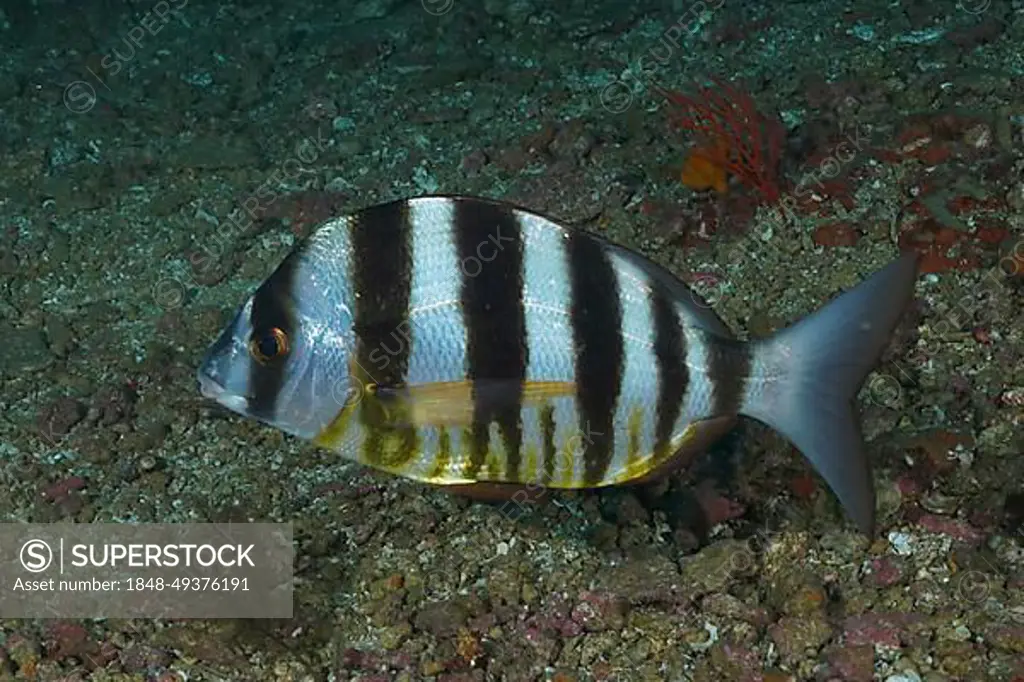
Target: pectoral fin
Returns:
[[453, 403]]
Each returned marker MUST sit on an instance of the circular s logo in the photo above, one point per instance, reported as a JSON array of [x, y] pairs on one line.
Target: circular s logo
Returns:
[[884, 390], [79, 97], [169, 293], [974, 6], [437, 7], [616, 97], [973, 586], [36, 556]]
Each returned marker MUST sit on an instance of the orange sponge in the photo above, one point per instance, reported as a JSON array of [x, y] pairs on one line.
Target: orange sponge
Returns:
[[702, 171]]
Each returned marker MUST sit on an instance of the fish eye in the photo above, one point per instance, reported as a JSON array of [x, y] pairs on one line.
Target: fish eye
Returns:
[[268, 345]]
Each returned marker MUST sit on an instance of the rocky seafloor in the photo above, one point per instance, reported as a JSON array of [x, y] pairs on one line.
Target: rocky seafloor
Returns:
[[158, 159]]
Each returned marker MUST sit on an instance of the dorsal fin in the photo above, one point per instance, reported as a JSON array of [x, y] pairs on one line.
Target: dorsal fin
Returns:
[[695, 306]]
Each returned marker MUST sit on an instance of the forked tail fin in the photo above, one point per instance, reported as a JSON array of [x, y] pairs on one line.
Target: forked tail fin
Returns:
[[804, 379]]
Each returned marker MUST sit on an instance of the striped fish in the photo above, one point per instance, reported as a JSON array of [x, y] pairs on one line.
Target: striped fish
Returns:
[[460, 341]]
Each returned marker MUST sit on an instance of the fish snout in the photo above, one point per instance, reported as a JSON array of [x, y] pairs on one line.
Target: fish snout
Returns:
[[212, 389]]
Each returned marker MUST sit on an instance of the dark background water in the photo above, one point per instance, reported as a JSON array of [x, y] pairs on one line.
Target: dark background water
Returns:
[[158, 159]]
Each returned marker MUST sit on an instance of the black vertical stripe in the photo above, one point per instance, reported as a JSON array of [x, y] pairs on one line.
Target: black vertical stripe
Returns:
[[596, 317], [272, 309], [673, 376], [728, 371], [548, 454], [381, 273], [488, 240]]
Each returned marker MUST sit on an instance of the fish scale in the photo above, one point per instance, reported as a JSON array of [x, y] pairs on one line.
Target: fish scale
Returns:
[[549, 335], [459, 341], [636, 409]]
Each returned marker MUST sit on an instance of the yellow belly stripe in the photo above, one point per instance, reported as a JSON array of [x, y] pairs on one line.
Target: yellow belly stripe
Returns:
[[396, 448], [634, 429], [496, 459], [331, 436], [443, 458], [641, 465], [392, 441], [565, 463], [529, 465]]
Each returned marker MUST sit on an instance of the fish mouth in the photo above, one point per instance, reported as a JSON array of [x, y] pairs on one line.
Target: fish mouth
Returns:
[[210, 388]]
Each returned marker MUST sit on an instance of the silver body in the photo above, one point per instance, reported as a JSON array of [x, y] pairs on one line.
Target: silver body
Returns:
[[319, 382], [458, 340]]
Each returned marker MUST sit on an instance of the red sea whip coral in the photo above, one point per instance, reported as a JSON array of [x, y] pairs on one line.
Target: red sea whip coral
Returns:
[[726, 124]]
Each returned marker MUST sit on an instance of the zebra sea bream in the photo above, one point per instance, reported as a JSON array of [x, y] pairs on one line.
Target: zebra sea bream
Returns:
[[461, 341]]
